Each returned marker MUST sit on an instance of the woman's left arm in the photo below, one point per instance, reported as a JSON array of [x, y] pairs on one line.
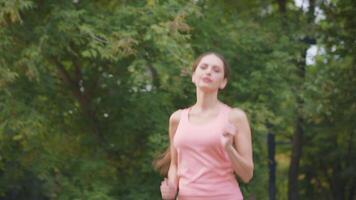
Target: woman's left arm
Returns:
[[239, 145]]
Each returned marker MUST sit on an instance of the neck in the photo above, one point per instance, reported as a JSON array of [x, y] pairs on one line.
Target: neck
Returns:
[[206, 100]]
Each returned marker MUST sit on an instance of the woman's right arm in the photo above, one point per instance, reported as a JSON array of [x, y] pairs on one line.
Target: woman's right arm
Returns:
[[169, 187], [173, 124]]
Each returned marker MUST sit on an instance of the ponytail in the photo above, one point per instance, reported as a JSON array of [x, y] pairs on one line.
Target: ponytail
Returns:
[[162, 162]]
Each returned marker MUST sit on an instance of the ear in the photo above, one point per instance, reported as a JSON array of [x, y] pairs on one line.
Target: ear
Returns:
[[223, 84], [193, 77]]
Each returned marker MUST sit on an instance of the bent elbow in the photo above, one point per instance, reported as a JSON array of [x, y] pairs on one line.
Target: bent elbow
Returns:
[[248, 176]]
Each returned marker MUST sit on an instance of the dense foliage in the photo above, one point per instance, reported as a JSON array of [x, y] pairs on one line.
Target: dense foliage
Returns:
[[87, 87]]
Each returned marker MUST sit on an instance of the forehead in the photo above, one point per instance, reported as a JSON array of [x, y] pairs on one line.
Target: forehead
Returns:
[[211, 59]]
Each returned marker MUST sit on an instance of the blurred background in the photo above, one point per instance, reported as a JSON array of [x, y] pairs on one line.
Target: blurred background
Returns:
[[87, 87]]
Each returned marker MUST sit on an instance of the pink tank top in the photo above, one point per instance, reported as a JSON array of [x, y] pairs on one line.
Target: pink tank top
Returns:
[[204, 168]]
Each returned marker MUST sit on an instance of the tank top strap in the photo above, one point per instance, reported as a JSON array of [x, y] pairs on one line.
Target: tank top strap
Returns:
[[183, 117], [225, 111], [185, 113]]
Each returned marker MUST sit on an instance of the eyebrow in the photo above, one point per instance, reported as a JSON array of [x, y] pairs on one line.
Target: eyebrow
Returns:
[[213, 65]]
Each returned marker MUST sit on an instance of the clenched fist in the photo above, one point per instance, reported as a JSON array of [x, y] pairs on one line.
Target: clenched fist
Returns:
[[227, 137], [168, 189]]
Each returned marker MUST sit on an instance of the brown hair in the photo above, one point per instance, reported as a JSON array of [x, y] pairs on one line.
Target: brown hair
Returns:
[[162, 162]]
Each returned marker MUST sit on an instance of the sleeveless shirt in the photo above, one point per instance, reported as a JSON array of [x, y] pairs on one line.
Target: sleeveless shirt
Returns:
[[204, 169]]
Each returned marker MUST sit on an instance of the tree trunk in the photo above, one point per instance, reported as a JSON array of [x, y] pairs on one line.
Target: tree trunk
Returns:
[[271, 165], [297, 140], [282, 6], [297, 143], [82, 96]]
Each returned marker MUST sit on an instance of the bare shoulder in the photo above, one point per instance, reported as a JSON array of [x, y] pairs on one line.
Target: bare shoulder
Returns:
[[174, 121], [237, 115], [175, 117]]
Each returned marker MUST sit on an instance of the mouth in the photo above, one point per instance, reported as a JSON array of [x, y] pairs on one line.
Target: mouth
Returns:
[[207, 80]]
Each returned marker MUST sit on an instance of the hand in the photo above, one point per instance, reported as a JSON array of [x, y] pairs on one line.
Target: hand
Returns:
[[168, 189], [229, 132]]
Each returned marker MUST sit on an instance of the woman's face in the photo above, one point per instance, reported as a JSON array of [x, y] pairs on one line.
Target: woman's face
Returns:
[[209, 74]]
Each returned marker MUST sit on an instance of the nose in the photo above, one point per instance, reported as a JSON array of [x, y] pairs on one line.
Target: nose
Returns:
[[208, 72]]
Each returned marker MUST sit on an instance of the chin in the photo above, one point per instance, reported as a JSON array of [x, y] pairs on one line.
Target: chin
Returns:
[[207, 89]]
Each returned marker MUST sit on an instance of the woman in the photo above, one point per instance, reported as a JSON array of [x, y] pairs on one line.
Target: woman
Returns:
[[209, 141]]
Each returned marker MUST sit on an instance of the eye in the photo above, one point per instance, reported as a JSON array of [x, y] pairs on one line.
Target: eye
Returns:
[[216, 69], [203, 66]]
